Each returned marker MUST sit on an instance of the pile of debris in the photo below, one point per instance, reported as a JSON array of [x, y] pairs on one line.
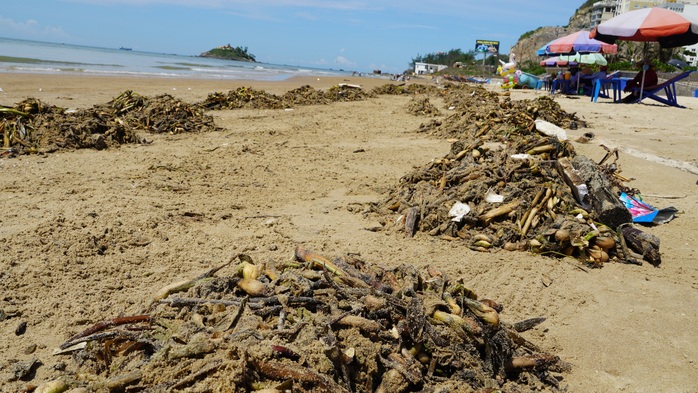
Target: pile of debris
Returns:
[[476, 111], [249, 98], [421, 106], [311, 324], [505, 184], [412, 89], [513, 181], [32, 126]]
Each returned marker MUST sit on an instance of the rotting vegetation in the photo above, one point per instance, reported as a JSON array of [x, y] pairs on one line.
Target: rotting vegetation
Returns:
[[516, 187], [312, 324], [317, 325], [497, 152]]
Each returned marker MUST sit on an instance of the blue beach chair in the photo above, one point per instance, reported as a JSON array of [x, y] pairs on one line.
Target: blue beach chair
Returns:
[[669, 88]]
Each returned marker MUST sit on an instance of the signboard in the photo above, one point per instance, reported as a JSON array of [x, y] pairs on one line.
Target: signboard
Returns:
[[487, 46]]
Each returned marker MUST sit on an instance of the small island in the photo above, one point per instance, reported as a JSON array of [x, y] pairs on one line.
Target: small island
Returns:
[[227, 52]]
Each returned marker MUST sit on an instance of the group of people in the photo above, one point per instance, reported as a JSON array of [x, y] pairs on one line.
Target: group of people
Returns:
[[584, 78]]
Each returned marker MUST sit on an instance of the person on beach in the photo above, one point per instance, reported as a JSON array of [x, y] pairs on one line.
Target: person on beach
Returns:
[[575, 74], [633, 86], [588, 81]]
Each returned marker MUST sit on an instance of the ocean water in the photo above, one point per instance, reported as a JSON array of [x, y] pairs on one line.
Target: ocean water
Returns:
[[50, 58]]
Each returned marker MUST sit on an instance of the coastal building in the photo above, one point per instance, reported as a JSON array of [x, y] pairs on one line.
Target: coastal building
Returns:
[[602, 11], [426, 68], [691, 10], [624, 6]]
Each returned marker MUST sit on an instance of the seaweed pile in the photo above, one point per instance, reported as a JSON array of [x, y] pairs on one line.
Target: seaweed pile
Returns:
[[311, 324], [505, 184], [32, 126], [476, 111], [518, 183], [249, 98], [421, 106]]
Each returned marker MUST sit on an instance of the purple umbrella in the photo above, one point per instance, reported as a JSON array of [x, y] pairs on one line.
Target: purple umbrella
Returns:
[[578, 42]]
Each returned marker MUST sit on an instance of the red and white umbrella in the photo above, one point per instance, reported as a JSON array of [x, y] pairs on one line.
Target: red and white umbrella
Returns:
[[578, 42], [667, 27]]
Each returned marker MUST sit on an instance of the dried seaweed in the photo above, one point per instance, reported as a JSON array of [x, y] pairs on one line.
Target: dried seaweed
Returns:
[[507, 173], [316, 325]]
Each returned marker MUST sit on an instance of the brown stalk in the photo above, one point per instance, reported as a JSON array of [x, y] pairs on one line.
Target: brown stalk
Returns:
[[106, 325]]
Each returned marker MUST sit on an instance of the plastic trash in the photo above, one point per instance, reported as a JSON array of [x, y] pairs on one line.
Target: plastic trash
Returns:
[[458, 211], [550, 129], [646, 214]]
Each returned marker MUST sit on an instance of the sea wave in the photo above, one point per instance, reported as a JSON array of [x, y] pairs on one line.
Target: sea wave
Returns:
[[51, 58]]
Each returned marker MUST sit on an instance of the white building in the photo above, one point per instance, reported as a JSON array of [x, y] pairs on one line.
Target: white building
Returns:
[[426, 68], [602, 11], [631, 5], [691, 10]]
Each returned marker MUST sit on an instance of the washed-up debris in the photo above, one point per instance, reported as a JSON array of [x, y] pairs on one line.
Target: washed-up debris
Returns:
[[421, 106], [525, 187], [311, 324], [644, 213], [412, 89], [32, 126], [249, 98], [159, 114], [242, 97]]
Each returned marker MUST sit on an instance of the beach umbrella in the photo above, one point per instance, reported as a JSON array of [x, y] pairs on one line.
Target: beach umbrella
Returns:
[[554, 62], [578, 42], [563, 60], [670, 29], [586, 58]]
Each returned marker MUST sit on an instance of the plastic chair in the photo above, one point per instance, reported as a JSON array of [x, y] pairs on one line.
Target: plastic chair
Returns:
[[669, 88], [600, 87]]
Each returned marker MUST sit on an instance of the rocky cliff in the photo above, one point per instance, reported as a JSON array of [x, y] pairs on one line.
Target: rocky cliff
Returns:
[[525, 49]]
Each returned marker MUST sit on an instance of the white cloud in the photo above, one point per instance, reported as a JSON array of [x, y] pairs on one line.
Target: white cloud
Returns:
[[307, 15], [30, 29], [341, 60], [320, 4]]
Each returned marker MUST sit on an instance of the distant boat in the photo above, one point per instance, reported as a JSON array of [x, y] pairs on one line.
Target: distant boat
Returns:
[[122, 48]]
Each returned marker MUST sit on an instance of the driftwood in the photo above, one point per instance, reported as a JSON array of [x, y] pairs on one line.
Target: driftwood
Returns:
[[643, 244], [601, 197]]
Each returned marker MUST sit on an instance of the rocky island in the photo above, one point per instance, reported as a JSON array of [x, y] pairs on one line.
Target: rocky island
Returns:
[[228, 52]]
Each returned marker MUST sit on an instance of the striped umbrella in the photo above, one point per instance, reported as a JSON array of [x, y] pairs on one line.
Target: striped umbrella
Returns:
[[562, 60], [578, 42], [667, 27], [670, 29]]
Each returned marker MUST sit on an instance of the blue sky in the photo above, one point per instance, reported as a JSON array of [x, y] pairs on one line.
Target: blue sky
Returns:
[[360, 35]]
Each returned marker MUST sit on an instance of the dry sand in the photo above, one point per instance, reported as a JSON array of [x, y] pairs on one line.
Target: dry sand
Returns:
[[90, 235]]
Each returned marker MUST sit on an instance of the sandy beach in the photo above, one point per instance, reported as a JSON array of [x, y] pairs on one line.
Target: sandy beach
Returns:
[[90, 235]]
